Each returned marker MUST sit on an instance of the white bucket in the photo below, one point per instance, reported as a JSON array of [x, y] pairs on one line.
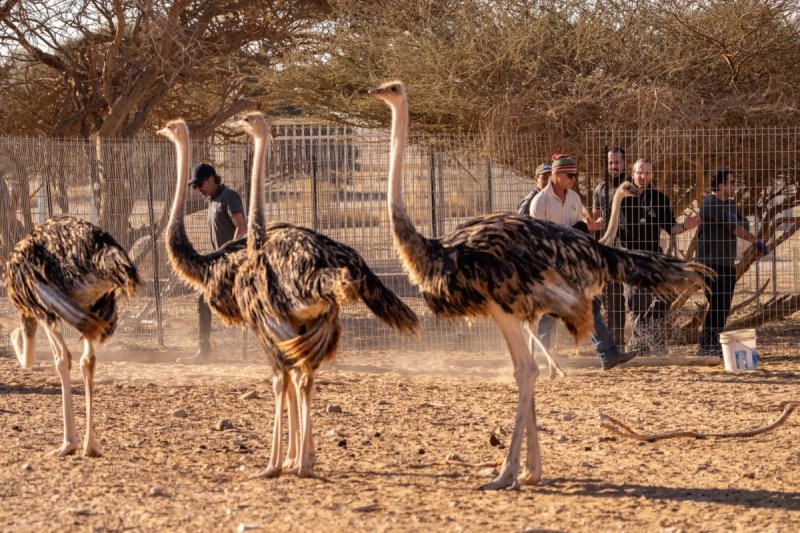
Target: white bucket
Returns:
[[739, 350]]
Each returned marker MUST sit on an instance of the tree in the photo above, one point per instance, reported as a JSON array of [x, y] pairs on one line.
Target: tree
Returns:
[[108, 70]]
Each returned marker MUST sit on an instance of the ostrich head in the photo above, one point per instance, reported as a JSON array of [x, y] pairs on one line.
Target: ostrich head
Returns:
[[175, 130], [253, 123], [627, 189], [390, 92]]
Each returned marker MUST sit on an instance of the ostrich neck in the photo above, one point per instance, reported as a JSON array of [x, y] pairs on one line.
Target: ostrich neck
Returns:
[[182, 254], [613, 222], [255, 216], [411, 244]]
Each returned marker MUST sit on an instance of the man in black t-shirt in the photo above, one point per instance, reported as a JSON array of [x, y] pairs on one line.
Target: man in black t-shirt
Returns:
[[642, 219]]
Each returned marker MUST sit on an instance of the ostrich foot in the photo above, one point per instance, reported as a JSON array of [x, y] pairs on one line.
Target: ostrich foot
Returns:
[[556, 372], [271, 472], [91, 450], [290, 467], [530, 478], [309, 473], [506, 480], [25, 360], [68, 448]]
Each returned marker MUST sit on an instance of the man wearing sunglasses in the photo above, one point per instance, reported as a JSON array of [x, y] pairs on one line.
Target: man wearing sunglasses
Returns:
[[225, 222], [560, 204]]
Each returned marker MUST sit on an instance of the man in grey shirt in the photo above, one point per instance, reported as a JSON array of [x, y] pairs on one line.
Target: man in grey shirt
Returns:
[[723, 223], [226, 222]]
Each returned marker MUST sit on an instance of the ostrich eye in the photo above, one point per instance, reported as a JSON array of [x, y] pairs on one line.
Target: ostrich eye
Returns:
[[394, 89]]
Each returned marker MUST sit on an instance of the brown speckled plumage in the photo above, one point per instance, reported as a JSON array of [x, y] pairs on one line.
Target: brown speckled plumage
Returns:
[[71, 270], [287, 284], [512, 268]]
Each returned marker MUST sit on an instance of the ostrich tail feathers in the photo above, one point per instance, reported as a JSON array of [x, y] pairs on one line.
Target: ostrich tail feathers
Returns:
[[387, 306], [316, 345], [89, 324], [660, 273]]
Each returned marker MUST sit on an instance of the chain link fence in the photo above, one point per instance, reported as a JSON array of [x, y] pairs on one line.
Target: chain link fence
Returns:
[[334, 179]]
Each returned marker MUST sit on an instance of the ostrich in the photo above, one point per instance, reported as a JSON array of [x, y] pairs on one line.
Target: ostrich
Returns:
[[512, 268], [71, 270], [287, 284]]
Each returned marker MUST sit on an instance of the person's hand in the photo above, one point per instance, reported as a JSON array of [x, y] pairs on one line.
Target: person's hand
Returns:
[[762, 248], [692, 222]]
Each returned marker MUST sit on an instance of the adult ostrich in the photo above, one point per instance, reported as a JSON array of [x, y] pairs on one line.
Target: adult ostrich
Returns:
[[71, 270], [287, 285], [512, 268]]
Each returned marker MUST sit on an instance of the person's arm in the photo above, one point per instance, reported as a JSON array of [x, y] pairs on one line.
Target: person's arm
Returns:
[[689, 222], [597, 202], [241, 225]]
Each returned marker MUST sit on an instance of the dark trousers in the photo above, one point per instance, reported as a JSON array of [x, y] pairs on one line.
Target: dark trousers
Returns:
[[719, 295], [614, 300], [203, 323], [648, 320]]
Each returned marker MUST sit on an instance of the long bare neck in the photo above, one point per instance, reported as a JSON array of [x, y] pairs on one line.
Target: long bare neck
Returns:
[[256, 218], [182, 255], [613, 222], [411, 245]]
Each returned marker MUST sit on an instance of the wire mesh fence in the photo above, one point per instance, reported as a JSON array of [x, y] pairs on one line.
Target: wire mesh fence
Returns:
[[334, 179]]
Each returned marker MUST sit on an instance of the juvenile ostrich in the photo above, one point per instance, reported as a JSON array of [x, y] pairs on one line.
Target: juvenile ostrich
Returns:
[[71, 270], [512, 268], [287, 285]]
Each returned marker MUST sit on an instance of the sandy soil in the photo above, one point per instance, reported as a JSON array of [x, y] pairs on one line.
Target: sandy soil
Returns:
[[401, 415]]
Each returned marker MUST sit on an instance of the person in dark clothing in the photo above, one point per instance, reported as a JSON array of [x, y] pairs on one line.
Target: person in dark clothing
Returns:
[[642, 219], [723, 222], [541, 178], [613, 294], [226, 222]]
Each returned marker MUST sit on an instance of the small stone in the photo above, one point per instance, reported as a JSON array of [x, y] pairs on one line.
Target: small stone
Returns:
[[247, 527], [179, 413], [494, 441], [249, 395], [27, 467], [333, 408], [224, 424], [410, 410], [383, 402], [331, 433], [561, 438], [376, 434], [567, 417], [16, 428], [342, 443], [157, 490], [488, 472], [421, 451]]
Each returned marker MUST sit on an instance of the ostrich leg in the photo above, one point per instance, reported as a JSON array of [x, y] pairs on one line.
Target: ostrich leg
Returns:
[[62, 359], [525, 373], [304, 384], [293, 447], [88, 361], [552, 364], [23, 339], [279, 384]]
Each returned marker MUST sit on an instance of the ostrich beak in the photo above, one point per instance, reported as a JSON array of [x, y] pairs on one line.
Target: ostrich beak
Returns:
[[163, 131]]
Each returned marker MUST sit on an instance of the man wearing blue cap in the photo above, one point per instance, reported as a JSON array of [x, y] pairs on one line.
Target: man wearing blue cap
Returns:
[[541, 178], [226, 222]]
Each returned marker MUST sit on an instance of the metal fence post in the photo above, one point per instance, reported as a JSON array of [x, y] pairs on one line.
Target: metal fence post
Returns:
[[314, 197], [489, 199], [154, 244], [432, 181]]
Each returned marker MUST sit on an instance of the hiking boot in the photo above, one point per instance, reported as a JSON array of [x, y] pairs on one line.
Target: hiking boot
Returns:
[[611, 361], [202, 356]]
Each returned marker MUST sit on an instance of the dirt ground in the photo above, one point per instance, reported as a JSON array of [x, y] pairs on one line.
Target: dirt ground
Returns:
[[384, 422]]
